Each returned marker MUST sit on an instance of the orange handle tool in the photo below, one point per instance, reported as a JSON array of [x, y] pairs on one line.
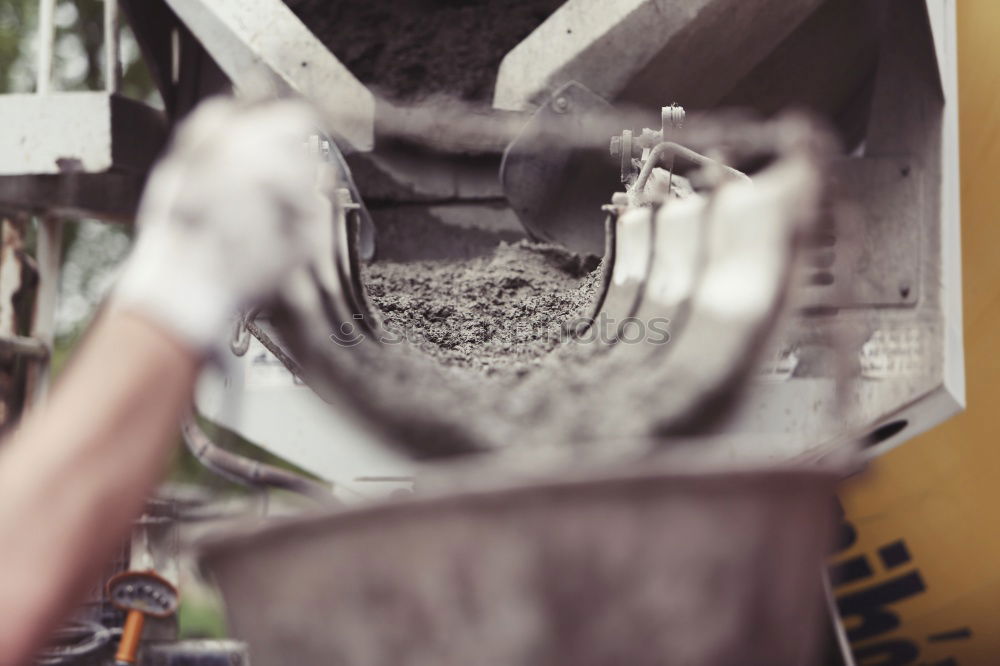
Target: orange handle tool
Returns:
[[131, 633]]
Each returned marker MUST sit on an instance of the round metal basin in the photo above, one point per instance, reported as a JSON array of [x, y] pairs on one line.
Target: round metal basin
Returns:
[[649, 568]]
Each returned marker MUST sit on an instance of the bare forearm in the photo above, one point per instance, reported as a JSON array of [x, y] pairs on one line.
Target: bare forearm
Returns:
[[78, 471]]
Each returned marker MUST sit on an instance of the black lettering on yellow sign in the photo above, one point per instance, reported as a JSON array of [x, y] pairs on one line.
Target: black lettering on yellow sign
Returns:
[[897, 652], [868, 613], [871, 606]]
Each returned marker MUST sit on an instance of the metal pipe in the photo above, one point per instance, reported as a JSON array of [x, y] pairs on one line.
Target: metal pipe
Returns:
[[77, 642], [24, 346], [246, 470], [670, 149], [112, 68], [46, 44], [49, 254]]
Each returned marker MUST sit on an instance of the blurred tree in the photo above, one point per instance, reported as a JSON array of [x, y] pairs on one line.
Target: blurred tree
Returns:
[[90, 28], [17, 18], [78, 52]]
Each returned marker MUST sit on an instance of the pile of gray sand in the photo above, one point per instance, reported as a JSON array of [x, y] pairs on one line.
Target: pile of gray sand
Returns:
[[497, 314]]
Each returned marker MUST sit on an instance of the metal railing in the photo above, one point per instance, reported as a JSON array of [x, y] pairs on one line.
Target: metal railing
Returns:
[[38, 347]]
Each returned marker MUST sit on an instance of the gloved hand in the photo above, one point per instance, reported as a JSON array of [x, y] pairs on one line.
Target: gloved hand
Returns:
[[230, 211]]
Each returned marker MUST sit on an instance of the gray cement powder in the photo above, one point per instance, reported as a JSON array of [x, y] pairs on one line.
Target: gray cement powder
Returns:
[[486, 356], [497, 315], [487, 363]]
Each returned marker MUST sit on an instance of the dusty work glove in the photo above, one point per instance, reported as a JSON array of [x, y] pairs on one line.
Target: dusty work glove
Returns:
[[228, 213]]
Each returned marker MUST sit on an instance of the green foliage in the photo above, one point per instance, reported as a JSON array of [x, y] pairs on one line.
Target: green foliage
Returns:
[[77, 54], [201, 616], [17, 20]]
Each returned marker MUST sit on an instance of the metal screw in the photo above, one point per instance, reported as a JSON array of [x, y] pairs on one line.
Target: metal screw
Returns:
[[561, 104]]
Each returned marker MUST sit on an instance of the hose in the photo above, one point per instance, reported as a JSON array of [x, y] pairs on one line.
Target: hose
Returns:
[[670, 149], [248, 471], [80, 640]]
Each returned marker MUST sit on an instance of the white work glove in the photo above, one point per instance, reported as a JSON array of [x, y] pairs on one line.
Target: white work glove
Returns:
[[226, 215]]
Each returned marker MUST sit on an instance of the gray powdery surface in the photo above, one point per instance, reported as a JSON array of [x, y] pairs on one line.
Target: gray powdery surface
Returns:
[[497, 371], [498, 314], [407, 50]]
